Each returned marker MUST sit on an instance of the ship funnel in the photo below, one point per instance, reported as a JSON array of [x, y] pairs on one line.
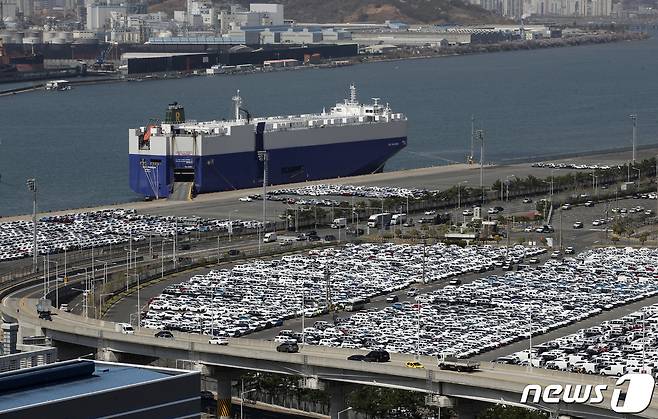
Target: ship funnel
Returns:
[[175, 114]]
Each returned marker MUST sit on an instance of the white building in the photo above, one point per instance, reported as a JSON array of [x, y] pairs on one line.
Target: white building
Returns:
[[99, 15], [270, 14]]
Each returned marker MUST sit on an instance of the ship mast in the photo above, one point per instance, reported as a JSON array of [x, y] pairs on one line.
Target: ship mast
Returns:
[[237, 100], [353, 100]]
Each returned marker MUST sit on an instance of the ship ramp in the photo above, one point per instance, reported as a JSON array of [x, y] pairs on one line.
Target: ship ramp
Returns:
[[182, 191]]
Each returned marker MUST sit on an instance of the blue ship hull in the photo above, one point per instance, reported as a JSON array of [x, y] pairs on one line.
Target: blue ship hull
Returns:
[[215, 173]]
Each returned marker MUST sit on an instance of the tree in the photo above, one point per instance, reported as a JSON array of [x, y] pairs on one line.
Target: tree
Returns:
[[511, 412]]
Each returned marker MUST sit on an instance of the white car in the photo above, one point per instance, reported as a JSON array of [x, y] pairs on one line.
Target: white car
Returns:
[[218, 341], [245, 199]]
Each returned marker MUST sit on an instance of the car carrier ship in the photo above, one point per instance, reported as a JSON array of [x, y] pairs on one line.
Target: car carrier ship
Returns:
[[198, 157]]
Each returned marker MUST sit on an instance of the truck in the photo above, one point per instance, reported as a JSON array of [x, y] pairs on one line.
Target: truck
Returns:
[[269, 237], [380, 220], [339, 223], [455, 364], [124, 328], [398, 219], [43, 308]]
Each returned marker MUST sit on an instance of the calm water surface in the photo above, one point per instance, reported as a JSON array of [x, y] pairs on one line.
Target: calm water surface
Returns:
[[530, 103]]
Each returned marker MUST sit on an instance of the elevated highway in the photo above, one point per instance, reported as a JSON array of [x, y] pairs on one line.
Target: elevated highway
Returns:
[[494, 383]]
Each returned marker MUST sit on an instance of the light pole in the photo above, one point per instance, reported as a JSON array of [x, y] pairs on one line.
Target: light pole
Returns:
[[303, 312], [343, 411], [264, 157], [418, 331], [32, 186], [459, 194], [56, 278], [85, 291], [480, 137], [634, 119], [507, 178], [242, 394], [129, 253]]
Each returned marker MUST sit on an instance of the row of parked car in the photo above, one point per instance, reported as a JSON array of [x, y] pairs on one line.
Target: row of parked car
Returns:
[[263, 293], [101, 228], [615, 347], [494, 311], [375, 192]]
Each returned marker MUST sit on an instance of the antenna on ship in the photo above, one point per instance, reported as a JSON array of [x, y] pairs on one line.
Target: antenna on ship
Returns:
[[237, 100], [353, 94]]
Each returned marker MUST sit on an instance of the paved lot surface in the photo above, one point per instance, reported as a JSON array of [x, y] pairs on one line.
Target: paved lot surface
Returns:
[[221, 204]]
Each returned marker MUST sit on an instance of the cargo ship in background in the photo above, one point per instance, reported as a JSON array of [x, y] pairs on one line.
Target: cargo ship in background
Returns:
[[181, 157], [22, 63]]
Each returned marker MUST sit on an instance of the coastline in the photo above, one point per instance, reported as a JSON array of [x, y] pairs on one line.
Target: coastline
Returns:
[[420, 177], [429, 53]]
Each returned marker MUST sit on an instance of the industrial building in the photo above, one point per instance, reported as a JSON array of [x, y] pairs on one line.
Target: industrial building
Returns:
[[16, 356], [85, 388], [167, 61]]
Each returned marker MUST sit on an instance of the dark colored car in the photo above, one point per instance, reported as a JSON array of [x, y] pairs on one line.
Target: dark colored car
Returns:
[[356, 357], [234, 252], [290, 347], [185, 246], [314, 238], [379, 355], [329, 238], [164, 334]]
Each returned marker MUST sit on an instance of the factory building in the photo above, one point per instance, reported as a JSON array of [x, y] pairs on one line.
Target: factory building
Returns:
[[410, 38]]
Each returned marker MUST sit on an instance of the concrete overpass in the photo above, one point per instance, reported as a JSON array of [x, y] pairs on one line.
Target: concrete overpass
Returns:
[[315, 365]]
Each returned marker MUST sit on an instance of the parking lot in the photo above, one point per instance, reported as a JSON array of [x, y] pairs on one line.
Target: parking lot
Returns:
[[101, 228], [494, 311], [460, 319], [614, 347], [254, 296]]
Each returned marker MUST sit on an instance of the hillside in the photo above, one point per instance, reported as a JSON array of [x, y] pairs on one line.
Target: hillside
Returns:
[[411, 11]]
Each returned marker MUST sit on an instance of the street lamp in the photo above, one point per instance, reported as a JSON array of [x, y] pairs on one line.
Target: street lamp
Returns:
[[480, 137], [32, 187], [56, 279], [343, 411], [634, 119], [264, 158], [507, 178], [242, 394], [459, 195]]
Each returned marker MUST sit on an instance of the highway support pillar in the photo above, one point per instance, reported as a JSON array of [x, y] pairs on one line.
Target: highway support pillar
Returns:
[[337, 398], [224, 377], [470, 409], [224, 397]]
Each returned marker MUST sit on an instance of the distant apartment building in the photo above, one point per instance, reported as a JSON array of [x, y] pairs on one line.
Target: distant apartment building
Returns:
[[524, 8], [99, 16]]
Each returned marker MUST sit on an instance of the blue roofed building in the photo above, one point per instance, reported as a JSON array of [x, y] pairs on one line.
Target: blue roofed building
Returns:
[[85, 388]]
